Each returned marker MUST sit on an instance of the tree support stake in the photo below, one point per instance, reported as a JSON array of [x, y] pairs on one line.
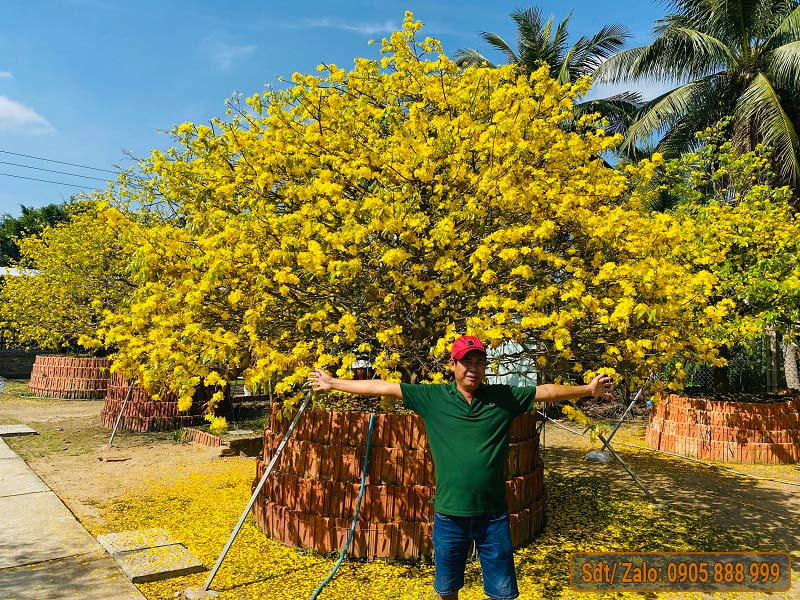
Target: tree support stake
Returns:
[[204, 591]]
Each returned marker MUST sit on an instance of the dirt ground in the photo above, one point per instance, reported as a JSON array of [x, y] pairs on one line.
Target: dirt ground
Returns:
[[762, 501], [73, 457], [71, 453]]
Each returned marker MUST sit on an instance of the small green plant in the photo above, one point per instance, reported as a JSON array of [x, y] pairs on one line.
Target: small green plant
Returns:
[[180, 436]]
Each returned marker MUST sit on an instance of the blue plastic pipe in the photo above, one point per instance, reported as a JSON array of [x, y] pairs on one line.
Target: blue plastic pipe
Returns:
[[355, 517]]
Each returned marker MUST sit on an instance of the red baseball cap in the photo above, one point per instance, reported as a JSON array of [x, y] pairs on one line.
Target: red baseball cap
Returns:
[[464, 344]]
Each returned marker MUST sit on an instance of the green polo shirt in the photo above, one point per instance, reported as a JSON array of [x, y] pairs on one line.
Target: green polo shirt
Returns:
[[469, 442]]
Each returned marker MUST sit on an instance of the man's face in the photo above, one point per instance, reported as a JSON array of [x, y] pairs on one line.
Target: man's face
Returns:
[[469, 370]]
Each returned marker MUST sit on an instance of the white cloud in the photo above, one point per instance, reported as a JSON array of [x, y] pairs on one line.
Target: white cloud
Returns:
[[358, 27], [224, 55], [16, 116], [6, 75]]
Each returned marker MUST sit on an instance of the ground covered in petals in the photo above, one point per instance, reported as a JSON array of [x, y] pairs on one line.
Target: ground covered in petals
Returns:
[[590, 511], [197, 497]]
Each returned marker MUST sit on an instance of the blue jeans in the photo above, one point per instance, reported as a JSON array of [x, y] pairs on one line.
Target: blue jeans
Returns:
[[452, 540]]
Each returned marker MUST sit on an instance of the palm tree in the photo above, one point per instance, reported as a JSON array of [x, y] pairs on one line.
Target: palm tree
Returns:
[[727, 57], [537, 45]]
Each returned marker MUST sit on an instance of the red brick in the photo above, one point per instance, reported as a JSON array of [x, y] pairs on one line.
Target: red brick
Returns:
[[385, 540], [402, 503], [407, 545]]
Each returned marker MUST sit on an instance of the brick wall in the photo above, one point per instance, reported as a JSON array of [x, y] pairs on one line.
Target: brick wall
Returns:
[[69, 377], [203, 438], [142, 413], [734, 432], [310, 498]]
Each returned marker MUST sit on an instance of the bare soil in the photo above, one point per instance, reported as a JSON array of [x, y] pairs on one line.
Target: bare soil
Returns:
[[71, 453]]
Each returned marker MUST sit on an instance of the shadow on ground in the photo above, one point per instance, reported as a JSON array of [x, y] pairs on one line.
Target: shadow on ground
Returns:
[[598, 508]]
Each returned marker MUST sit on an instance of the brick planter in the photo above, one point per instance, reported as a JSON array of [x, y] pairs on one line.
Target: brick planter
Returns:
[[310, 498], [203, 438], [735, 432], [69, 378], [142, 413]]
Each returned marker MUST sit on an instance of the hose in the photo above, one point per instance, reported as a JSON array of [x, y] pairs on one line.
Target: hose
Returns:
[[355, 516]]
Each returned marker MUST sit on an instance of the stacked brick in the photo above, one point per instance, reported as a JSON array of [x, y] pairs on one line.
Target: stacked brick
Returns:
[[203, 438], [69, 378], [310, 498], [142, 413], [735, 432]]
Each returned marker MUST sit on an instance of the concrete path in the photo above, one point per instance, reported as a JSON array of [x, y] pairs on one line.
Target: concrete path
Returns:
[[45, 553]]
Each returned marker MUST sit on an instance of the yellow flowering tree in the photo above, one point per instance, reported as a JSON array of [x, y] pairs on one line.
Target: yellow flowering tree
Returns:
[[73, 273], [745, 232], [383, 211]]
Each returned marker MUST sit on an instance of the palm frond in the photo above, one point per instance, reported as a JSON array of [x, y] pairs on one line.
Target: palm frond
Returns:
[[703, 47], [620, 110], [760, 104], [664, 111], [677, 55], [620, 66], [534, 46], [626, 98], [466, 57], [499, 43], [559, 42], [529, 20], [682, 136], [738, 19], [694, 13], [787, 30], [784, 65], [529, 29], [564, 72], [593, 51], [670, 22], [544, 49]]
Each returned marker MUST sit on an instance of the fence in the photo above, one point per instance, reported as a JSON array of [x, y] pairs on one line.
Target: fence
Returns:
[[755, 370]]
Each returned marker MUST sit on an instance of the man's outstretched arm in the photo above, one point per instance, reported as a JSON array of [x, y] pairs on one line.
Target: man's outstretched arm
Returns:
[[552, 392], [321, 381]]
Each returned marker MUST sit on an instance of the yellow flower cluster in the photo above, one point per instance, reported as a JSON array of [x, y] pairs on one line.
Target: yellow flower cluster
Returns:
[[74, 273], [384, 210], [380, 212], [584, 514]]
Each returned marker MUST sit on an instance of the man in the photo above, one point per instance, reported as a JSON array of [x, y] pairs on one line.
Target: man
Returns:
[[467, 423]]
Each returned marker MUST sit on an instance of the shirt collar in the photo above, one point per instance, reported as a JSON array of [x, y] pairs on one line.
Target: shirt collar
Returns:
[[451, 387]]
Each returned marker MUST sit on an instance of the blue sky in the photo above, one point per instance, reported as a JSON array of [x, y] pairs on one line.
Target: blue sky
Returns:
[[88, 81]]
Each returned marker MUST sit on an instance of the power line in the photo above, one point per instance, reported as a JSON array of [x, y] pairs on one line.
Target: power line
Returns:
[[2, 162], [61, 162], [48, 181]]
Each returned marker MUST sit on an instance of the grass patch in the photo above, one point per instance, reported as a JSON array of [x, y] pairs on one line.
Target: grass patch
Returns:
[[65, 427]]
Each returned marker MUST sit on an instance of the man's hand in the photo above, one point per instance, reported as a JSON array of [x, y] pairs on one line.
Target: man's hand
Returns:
[[320, 380], [601, 386]]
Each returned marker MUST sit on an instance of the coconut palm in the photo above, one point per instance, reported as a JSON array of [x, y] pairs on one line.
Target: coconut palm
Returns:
[[727, 57], [538, 44]]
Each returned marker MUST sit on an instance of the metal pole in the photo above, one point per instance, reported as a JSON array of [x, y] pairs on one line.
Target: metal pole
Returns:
[[252, 501], [625, 414], [624, 466], [607, 444], [122, 410]]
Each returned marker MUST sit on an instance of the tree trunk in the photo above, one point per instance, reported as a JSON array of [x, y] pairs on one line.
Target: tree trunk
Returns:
[[720, 374], [790, 364], [771, 348]]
